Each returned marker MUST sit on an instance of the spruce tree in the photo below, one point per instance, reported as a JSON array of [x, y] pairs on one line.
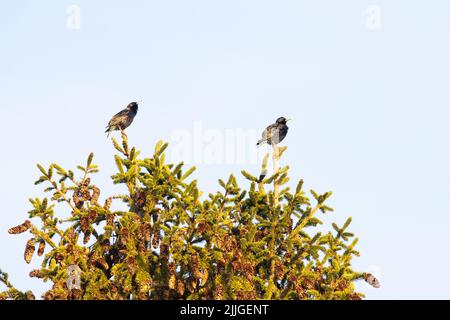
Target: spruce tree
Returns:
[[174, 242]]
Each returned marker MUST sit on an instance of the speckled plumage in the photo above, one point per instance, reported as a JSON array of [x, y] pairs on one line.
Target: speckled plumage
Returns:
[[123, 119], [275, 133]]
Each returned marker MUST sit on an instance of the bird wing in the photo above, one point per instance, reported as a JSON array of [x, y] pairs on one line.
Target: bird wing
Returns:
[[267, 134], [118, 117]]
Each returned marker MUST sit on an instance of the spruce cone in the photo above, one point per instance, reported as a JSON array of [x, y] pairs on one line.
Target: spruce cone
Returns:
[[370, 279], [219, 293], [20, 228], [110, 220], [172, 268], [87, 237], [125, 233], [49, 295], [84, 224], [180, 287], [92, 216], [156, 237], [30, 296], [95, 195], [84, 190], [76, 294], [29, 250], [35, 274], [76, 200], [147, 232], [132, 265], [41, 248]]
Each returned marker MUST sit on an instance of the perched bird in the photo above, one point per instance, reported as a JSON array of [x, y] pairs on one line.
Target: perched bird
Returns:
[[275, 133], [123, 119]]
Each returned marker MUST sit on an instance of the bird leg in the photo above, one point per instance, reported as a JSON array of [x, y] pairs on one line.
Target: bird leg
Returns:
[[275, 152]]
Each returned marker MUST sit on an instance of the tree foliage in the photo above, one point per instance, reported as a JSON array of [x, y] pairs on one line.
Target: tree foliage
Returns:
[[164, 239]]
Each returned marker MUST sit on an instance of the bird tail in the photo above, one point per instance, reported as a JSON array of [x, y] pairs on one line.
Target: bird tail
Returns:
[[108, 131]]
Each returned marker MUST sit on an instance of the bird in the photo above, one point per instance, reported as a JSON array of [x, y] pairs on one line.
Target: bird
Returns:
[[123, 119], [275, 133]]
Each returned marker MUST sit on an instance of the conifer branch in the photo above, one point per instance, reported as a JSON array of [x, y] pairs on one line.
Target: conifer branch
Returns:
[[276, 186], [167, 242]]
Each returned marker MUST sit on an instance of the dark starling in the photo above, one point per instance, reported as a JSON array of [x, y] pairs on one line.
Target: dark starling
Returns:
[[123, 119], [275, 133]]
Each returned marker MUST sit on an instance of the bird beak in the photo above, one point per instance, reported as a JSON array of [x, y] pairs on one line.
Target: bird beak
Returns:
[[288, 120]]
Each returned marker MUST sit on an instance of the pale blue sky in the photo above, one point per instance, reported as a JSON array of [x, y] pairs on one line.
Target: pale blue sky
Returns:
[[370, 108]]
